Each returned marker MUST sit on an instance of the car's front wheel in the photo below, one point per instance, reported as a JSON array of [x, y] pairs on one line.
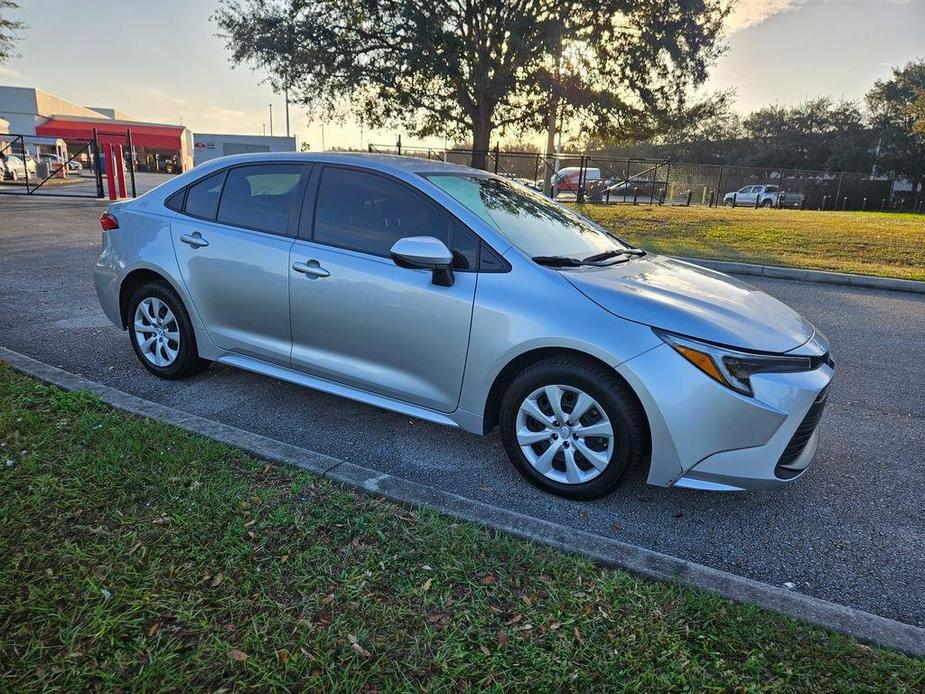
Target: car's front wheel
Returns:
[[572, 427], [161, 333]]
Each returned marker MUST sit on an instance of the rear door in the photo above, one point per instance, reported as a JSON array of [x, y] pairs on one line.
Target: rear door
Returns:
[[232, 242], [358, 318]]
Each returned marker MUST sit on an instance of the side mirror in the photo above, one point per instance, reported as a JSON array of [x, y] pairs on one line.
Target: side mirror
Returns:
[[425, 253]]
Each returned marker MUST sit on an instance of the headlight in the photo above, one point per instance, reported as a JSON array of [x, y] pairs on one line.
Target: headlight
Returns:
[[731, 367]]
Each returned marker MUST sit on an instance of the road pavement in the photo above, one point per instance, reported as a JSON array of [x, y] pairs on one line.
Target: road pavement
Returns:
[[851, 531]]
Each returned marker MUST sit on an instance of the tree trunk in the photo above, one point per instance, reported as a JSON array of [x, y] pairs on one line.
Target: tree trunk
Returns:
[[481, 140]]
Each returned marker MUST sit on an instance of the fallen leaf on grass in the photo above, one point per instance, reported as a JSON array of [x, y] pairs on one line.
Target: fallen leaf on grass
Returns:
[[485, 650], [579, 637], [427, 584], [327, 599], [153, 629], [237, 655], [357, 647], [488, 579], [282, 656], [502, 638]]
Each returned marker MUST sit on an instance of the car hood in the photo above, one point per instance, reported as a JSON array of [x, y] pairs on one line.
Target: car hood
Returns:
[[690, 300]]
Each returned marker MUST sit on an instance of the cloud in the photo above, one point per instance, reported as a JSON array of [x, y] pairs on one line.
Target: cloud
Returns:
[[223, 115], [163, 97], [9, 72], [749, 13]]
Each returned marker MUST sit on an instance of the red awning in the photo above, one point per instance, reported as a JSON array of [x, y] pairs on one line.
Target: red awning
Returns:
[[156, 136]]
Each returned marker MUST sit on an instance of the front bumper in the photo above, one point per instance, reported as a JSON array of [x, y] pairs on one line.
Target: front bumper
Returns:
[[706, 436]]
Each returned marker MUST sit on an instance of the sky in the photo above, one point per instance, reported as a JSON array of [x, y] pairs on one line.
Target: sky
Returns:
[[159, 60]]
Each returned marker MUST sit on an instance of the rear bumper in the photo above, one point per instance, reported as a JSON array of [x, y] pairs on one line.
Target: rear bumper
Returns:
[[706, 436], [106, 278]]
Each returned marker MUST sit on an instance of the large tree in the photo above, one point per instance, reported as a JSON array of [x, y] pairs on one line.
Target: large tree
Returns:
[[897, 114], [469, 68], [8, 29]]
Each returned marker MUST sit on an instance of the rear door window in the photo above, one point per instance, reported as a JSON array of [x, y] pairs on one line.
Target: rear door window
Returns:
[[202, 197], [260, 197]]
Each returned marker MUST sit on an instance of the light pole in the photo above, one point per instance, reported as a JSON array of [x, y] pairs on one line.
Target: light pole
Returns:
[[264, 129], [271, 119], [286, 93], [322, 137]]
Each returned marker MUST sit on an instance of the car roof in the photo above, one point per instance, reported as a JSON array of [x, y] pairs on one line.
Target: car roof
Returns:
[[391, 163]]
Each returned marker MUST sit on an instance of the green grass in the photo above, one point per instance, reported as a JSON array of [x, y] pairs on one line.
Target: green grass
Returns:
[[869, 243], [134, 555]]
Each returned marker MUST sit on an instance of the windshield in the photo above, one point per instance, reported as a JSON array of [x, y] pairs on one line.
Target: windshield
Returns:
[[530, 221]]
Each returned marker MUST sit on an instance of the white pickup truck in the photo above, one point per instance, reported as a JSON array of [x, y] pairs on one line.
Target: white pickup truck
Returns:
[[766, 196]]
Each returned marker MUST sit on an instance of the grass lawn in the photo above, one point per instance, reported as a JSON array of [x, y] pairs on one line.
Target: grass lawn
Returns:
[[868, 243], [137, 556]]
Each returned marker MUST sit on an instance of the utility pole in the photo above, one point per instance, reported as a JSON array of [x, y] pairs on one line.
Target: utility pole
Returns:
[[286, 93], [271, 119], [551, 118], [264, 129]]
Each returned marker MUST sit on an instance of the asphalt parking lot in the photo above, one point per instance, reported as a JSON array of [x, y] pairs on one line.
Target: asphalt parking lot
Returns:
[[851, 531]]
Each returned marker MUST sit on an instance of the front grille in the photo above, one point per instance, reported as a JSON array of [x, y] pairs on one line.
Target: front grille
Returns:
[[801, 437]]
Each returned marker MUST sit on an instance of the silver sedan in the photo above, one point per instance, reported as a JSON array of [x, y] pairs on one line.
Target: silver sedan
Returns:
[[466, 299]]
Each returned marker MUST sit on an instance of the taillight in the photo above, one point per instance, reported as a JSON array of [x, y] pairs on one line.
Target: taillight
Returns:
[[108, 221]]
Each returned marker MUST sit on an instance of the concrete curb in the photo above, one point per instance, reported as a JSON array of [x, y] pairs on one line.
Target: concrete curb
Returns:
[[858, 624], [818, 276]]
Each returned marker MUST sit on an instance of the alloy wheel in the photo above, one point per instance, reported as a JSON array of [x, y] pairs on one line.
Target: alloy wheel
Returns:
[[157, 332], [565, 434]]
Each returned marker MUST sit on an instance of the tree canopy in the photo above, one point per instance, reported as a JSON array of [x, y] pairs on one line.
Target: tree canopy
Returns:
[[470, 68], [8, 29]]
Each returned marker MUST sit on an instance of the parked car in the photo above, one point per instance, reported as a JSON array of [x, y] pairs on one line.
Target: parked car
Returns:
[[767, 196], [56, 161], [14, 167], [458, 297], [566, 180]]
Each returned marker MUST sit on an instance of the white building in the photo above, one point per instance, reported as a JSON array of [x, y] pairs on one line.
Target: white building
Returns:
[[208, 146]]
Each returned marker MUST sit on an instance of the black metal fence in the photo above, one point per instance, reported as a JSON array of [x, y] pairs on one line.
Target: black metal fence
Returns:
[[34, 165], [595, 178], [49, 166]]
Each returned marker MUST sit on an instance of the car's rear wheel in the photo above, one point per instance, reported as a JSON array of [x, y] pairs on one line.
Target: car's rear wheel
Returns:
[[572, 427], [767, 203], [161, 332]]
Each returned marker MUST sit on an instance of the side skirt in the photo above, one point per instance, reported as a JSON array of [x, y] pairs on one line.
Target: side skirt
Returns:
[[334, 388]]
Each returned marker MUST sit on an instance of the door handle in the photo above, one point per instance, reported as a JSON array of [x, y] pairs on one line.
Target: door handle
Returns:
[[195, 240], [312, 268]]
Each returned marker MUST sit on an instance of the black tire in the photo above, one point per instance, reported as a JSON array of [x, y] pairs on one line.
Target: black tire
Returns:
[[727, 202], [631, 433], [767, 203], [188, 362]]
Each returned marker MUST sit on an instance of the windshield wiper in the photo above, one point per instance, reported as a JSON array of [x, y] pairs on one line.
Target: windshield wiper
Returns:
[[557, 261], [614, 253]]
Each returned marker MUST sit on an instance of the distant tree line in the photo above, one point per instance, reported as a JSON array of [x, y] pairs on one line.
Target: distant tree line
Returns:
[[884, 134]]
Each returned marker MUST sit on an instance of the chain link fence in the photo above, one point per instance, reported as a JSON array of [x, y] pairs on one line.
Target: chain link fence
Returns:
[[599, 179]]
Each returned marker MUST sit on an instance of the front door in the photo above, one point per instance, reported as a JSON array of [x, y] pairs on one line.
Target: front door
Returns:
[[359, 319], [232, 244]]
